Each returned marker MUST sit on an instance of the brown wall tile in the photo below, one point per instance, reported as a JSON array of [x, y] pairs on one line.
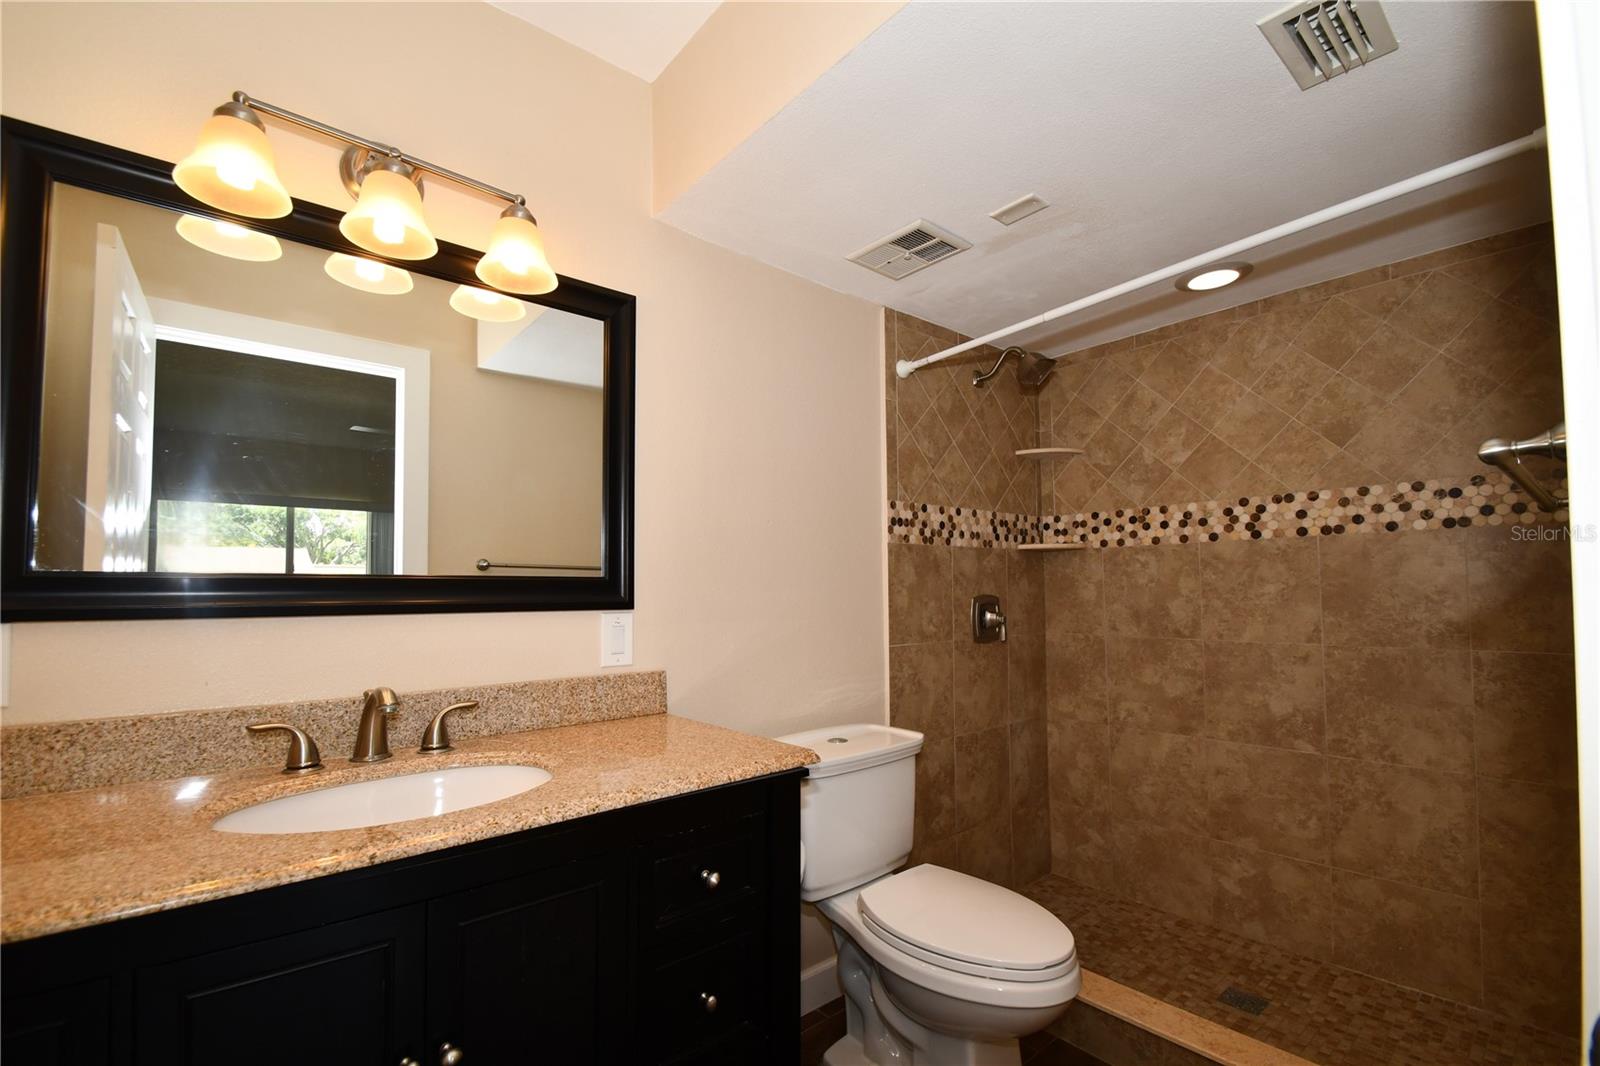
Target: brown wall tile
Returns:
[[1401, 705], [936, 790], [1261, 591], [1159, 778], [1409, 935], [919, 593], [1530, 843], [919, 688], [1540, 980], [1521, 591], [1267, 798], [1029, 764], [1080, 762], [1155, 683], [1082, 846], [1268, 694], [1526, 716], [1153, 592], [983, 775], [985, 850], [1165, 868], [1075, 676], [1276, 900], [1403, 591], [978, 672], [1074, 592], [1025, 623], [1030, 843], [1404, 824]]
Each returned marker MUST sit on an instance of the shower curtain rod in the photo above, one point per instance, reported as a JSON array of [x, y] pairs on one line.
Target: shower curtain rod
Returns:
[[904, 367]]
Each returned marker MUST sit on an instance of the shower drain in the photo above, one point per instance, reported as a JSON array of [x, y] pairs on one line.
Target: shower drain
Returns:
[[1248, 1002]]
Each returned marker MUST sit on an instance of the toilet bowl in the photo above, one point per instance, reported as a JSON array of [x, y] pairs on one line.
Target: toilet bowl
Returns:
[[938, 968]]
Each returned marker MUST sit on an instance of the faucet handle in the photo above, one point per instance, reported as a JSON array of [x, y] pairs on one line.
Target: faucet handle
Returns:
[[303, 754], [436, 738]]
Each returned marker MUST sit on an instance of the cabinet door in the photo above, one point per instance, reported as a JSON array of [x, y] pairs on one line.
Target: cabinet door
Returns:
[[65, 1027], [533, 969], [346, 994]]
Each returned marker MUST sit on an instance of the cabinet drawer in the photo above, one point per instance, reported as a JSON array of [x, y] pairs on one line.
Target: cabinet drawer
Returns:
[[708, 870], [704, 998]]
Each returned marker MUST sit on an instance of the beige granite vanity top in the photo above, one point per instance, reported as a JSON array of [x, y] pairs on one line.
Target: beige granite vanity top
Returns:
[[72, 859]]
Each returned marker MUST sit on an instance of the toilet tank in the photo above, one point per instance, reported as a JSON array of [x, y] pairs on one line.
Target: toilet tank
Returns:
[[856, 805]]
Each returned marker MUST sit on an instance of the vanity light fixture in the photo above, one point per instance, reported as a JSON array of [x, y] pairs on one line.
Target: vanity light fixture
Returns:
[[368, 275], [487, 306], [387, 218], [229, 239], [1215, 276], [231, 169], [515, 260]]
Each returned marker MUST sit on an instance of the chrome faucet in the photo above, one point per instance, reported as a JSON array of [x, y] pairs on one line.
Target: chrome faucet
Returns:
[[372, 735]]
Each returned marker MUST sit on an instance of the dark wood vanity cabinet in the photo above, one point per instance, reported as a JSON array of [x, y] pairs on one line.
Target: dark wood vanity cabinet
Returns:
[[661, 933]]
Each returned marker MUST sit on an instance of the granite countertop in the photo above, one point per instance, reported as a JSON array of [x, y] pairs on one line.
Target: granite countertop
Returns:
[[73, 859]]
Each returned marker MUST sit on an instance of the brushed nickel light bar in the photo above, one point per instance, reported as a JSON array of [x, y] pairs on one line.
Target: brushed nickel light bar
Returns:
[[387, 151]]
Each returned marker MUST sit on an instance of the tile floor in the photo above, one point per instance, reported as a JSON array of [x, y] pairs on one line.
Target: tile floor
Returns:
[[823, 1026], [1325, 1013]]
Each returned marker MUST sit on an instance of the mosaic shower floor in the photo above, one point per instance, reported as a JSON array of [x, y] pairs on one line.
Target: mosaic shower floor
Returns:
[[1325, 1013]]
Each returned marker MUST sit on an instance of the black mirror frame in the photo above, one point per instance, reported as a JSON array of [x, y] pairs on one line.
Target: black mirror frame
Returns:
[[33, 159]]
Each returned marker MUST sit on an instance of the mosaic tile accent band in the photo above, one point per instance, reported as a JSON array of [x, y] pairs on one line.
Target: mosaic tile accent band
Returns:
[[1404, 507], [964, 527]]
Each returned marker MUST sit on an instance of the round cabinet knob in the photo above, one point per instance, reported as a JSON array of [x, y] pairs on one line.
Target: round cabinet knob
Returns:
[[409, 1061], [450, 1055], [709, 1002], [711, 879]]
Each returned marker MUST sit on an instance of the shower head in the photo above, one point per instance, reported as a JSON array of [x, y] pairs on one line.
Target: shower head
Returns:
[[1032, 368]]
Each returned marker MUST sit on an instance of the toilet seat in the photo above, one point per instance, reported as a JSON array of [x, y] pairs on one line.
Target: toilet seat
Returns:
[[928, 912]]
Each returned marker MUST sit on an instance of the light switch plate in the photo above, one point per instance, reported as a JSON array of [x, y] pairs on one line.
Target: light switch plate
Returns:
[[616, 640]]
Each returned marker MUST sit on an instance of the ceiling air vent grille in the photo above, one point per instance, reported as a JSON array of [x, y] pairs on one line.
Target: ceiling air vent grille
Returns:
[[1326, 38], [909, 249]]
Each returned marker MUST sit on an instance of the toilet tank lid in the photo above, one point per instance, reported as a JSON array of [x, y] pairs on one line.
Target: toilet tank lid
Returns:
[[844, 748]]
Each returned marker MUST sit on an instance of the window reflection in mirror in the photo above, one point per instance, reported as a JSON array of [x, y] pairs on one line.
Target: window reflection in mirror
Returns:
[[288, 414]]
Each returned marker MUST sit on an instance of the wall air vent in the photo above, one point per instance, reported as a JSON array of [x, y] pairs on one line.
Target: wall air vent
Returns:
[[1325, 38], [909, 249]]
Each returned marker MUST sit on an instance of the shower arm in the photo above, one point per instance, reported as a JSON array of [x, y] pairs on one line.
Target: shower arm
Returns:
[[979, 376], [906, 367], [1507, 456]]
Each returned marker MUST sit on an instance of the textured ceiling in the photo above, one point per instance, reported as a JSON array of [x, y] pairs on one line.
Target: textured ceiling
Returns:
[[1155, 130]]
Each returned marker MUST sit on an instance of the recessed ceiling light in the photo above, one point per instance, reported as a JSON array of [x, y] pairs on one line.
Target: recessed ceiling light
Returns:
[[1213, 277]]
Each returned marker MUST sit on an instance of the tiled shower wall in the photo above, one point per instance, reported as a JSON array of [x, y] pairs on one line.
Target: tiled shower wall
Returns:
[[1357, 745], [982, 793], [1353, 744]]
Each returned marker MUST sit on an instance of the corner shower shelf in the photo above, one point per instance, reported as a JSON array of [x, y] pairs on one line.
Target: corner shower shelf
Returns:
[[1047, 453], [1051, 547]]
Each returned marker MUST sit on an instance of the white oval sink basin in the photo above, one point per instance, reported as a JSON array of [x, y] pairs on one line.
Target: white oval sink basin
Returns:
[[388, 799]]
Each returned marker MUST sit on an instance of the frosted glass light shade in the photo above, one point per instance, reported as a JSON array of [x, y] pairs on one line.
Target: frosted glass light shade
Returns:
[[367, 274], [515, 261], [487, 306], [387, 218], [229, 239], [232, 168]]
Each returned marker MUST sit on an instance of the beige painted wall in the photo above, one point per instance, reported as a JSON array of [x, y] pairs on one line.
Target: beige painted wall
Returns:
[[747, 61], [760, 549]]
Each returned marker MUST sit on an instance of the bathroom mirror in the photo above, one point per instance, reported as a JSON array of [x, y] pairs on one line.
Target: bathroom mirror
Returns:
[[211, 415]]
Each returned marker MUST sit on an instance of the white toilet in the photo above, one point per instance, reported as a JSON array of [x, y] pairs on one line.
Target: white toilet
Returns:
[[938, 968]]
